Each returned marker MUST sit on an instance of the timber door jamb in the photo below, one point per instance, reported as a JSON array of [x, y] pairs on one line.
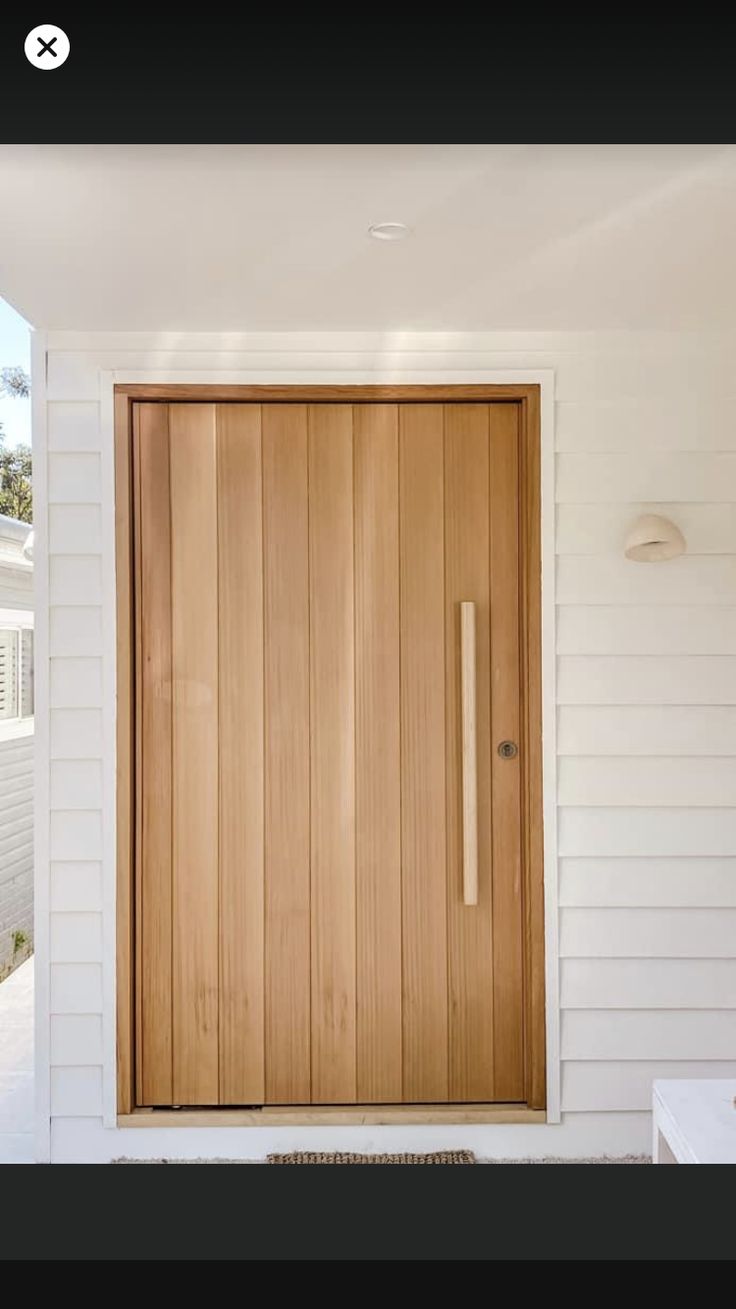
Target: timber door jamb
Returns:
[[528, 398]]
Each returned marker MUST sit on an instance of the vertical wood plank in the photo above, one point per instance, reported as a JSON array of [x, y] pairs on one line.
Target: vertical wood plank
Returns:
[[508, 936], [154, 769], [377, 755], [532, 800], [469, 753], [423, 828], [138, 753], [125, 572], [240, 553], [286, 759], [467, 578], [195, 752], [332, 746]]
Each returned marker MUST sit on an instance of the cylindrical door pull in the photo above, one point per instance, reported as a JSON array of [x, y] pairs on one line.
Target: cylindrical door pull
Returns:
[[469, 753]]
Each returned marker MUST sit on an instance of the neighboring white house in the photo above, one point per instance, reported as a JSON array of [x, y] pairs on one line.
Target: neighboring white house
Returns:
[[16, 742], [638, 661]]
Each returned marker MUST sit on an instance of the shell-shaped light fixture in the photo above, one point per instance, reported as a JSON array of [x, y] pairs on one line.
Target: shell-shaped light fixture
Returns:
[[653, 539]]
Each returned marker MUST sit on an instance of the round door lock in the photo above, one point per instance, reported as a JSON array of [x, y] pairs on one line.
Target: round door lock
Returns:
[[508, 749]]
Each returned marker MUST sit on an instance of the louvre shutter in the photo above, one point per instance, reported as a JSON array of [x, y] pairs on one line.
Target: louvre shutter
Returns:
[[26, 673], [8, 673]]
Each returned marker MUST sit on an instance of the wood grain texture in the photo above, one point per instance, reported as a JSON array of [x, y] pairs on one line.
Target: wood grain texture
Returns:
[[377, 754], [335, 393], [155, 1084], [423, 825], [240, 561], [194, 610], [385, 1019], [467, 579], [531, 772], [469, 753], [508, 935], [397, 1115], [286, 759], [125, 752], [137, 658], [332, 752]]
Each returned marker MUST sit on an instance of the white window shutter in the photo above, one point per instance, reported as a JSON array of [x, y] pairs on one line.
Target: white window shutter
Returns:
[[26, 673], [8, 673]]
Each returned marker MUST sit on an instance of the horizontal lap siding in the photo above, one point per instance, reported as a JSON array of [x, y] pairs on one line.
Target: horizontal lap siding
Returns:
[[651, 730], [646, 630], [649, 882], [626, 1085], [16, 845], [648, 983], [705, 1034], [80, 754], [16, 803], [647, 706], [647, 933], [647, 781]]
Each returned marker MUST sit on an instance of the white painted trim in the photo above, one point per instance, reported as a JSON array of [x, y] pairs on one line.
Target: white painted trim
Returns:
[[158, 1140], [16, 618], [345, 377], [549, 751], [41, 821], [497, 342], [14, 729], [579, 1136], [109, 762]]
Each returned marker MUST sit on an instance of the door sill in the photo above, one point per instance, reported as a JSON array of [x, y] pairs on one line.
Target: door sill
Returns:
[[334, 1115]]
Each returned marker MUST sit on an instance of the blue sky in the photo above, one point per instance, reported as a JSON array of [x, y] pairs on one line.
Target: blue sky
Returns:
[[15, 348]]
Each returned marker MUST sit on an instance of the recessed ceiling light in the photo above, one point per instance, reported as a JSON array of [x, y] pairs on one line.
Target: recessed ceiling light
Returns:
[[389, 231]]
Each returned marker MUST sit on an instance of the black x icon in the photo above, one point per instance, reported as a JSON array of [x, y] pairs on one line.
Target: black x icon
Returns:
[[46, 47]]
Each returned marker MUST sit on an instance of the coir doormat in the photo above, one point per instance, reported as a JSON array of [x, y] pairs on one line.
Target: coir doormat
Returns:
[[439, 1157]]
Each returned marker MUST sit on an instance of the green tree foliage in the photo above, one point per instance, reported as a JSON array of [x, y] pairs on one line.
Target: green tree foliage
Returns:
[[16, 493], [16, 487]]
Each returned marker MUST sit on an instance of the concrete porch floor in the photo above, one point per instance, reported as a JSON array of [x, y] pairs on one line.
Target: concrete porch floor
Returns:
[[16, 1066]]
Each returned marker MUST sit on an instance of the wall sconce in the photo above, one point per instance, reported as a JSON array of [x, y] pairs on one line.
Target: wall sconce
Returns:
[[653, 539]]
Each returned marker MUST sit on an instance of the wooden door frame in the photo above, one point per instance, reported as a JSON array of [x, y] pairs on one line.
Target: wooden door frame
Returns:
[[527, 396]]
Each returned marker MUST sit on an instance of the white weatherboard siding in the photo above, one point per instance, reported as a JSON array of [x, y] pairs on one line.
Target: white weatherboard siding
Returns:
[[16, 845], [646, 720], [16, 765]]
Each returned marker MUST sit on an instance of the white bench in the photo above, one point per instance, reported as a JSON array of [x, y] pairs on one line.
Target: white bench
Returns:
[[694, 1122]]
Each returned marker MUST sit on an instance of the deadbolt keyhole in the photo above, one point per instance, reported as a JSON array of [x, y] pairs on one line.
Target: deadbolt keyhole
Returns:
[[508, 749]]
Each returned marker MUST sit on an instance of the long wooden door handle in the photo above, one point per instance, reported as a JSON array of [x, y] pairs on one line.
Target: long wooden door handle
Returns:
[[470, 754]]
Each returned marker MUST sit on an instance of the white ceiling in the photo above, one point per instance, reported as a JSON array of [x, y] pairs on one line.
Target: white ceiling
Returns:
[[228, 238]]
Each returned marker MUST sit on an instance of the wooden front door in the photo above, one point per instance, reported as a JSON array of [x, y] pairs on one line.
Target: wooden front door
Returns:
[[306, 798]]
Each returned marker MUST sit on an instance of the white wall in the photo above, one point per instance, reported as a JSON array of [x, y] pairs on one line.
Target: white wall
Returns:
[[646, 720], [16, 765]]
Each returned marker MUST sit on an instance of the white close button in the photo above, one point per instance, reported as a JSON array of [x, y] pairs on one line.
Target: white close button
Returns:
[[47, 47]]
